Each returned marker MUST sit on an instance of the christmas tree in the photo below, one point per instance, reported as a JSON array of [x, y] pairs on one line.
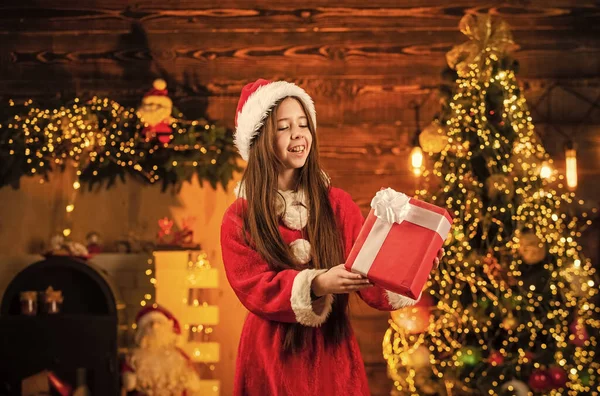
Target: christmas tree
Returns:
[[511, 310]]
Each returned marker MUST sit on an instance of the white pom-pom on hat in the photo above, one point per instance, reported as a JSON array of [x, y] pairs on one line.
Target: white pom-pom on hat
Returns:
[[159, 84]]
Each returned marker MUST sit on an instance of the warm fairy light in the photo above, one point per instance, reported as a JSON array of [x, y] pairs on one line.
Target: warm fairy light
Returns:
[[545, 170], [76, 185], [416, 160], [70, 208], [67, 232], [571, 167]]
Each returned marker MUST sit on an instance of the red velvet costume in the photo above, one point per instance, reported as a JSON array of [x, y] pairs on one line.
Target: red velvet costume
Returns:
[[284, 296]]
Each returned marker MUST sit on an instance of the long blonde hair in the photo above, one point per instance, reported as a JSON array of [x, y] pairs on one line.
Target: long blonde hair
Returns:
[[261, 223]]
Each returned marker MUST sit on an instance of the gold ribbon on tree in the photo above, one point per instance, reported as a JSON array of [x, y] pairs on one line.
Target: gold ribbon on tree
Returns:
[[486, 35]]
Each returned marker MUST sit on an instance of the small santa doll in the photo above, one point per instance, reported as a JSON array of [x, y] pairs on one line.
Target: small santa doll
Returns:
[[155, 111], [157, 366]]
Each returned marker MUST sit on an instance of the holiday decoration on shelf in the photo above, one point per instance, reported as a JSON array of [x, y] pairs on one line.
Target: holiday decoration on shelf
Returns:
[[514, 304], [106, 141], [167, 239], [61, 246], [93, 243], [157, 366]]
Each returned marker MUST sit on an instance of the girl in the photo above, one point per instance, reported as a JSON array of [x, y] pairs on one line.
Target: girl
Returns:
[[283, 241]]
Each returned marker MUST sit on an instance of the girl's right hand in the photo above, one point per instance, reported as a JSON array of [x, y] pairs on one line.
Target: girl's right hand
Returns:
[[338, 280]]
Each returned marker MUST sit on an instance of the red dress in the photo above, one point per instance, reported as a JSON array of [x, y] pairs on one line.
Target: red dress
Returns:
[[284, 296]]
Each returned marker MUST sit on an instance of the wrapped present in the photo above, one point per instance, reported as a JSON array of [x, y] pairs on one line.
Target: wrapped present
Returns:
[[398, 242]]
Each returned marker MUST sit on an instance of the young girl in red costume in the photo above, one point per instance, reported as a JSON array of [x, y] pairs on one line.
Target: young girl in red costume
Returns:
[[283, 241]]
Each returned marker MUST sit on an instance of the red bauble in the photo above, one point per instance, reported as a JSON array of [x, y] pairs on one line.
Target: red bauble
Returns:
[[580, 332], [496, 358], [530, 356], [558, 376], [539, 381]]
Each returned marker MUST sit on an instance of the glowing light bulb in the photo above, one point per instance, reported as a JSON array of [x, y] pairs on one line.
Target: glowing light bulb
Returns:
[[571, 166], [416, 160], [546, 170]]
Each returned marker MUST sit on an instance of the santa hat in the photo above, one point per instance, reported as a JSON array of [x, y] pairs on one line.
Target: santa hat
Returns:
[[156, 312], [256, 101]]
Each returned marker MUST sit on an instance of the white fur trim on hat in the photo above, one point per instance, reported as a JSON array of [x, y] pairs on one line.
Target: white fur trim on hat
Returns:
[[301, 251], [398, 301], [302, 303], [258, 105]]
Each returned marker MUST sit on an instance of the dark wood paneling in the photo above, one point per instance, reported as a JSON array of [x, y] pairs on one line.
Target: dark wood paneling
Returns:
[[65, 16]]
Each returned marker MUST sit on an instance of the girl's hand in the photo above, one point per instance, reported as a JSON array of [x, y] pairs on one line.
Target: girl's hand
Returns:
[[436, 261], [337, 281]]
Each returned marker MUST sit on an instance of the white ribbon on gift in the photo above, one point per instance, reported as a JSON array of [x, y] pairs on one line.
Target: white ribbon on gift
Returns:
[[390, 206]]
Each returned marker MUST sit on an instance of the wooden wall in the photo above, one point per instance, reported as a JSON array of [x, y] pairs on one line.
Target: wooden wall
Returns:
[[363, 62]]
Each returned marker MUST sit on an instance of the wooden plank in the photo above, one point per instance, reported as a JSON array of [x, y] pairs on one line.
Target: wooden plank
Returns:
[[297, 55], [74, 19], [144, 5]]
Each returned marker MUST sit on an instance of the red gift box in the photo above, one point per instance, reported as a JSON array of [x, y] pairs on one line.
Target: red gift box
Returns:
[[398, 242]]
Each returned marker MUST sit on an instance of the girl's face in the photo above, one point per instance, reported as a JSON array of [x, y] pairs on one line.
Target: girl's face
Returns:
[[293, 139]]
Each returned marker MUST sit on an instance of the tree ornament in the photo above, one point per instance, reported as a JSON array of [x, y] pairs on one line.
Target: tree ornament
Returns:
[[579, 332], [433, 138], [509, 323], [558, 376], [539, 381], [414, 319], [499, 185], [469, 356], [531, 248], [496, 358], [417, 358], [487, 36], [516, 388]]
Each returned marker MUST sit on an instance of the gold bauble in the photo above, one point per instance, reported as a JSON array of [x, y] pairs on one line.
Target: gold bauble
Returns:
[[498, 185], [433, 138], [531, 248], [417, 358], [509, 323]]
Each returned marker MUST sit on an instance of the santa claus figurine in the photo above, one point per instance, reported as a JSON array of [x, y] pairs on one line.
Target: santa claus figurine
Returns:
[[155, 111], [157, 366]]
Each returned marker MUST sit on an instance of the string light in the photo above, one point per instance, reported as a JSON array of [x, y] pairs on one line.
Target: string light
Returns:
[[103, 140]]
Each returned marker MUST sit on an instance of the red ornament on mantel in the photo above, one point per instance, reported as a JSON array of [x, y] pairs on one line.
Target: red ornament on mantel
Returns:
[[539, 381], [558, 376], [496, 358]]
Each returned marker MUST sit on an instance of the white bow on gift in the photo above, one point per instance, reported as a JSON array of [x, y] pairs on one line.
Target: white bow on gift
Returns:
[[394, 207], [391, 206]]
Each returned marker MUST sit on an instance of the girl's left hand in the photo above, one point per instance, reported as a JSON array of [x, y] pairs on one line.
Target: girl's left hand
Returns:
[[436, 261]]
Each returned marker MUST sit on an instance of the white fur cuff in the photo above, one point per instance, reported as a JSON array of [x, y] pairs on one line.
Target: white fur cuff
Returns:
[[398, 301], [302, 303]]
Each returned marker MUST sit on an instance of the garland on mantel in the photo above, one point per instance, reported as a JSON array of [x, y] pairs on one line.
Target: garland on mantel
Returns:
[[105, 141]]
